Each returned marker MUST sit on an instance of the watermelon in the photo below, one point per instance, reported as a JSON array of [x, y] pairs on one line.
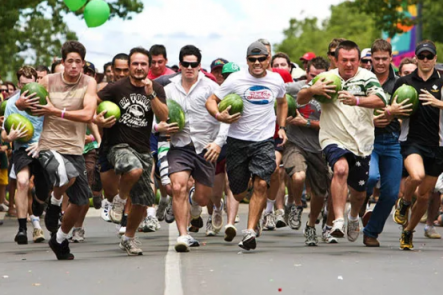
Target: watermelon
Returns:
[[16, 119], [175, 114], [233, 100], [40, 92], [111, 109], [405, 92], [335, 81], [3, 108], [292, 106]]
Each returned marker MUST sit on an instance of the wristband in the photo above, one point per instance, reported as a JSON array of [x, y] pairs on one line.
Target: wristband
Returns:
[[155, 127], [387, 111], [92, 137], [63, 113], [358, 101], [216, 115]]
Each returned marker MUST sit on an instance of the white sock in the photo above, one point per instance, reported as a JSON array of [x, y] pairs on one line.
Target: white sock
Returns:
[[269, 206], [118, 199], [125, 238], [428, 226], [35, 220], [61, 236], [352, 218], [54, 201], [151, 211]]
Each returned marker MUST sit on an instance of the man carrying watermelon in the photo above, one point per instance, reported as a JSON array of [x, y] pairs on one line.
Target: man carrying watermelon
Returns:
[[347, 131], [250, 140]]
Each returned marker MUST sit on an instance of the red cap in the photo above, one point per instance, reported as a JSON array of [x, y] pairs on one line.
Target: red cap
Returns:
[[286, 76], [308, 56]]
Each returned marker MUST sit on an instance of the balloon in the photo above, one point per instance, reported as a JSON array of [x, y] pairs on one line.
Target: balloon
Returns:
[[74, 5], [96, 13]]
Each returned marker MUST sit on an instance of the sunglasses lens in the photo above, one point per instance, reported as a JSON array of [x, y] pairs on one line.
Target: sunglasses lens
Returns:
[[429, 57]]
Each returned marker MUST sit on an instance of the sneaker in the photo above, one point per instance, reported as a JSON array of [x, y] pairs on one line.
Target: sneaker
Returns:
[[338, 228], [106, 205], [209, 229], [3, 208], [97, 202], [169, 215], [294, 217], [280, 218], [52, 217], [249, 240], [365, 218], [217, 218], [237, 219], [406, 240], [310, 235], [197, 222], [326, 236], [78, 235], [401, 213], [193, 229], [269, 221], [21, 237], [150, 224], [161, 209], [185, 242], [196, 209], [131, 246], [116, 211], [431, 233], [370, 241], [353, 230], [61, 251], [230, 232], [37, 235]]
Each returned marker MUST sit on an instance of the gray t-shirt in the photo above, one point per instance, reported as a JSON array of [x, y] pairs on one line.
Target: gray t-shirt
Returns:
[[304, 137]]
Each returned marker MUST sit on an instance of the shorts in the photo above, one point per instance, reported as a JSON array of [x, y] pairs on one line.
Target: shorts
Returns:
[[314, 165], [246, 159], [125, 159], [3, 176], [278, 141], [186, 159], [432, 157], [59, 169], [358, 166], [221, 161], [92, 171]]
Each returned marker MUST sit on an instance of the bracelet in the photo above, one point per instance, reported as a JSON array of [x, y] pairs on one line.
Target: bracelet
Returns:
[[155, 127], [358, 101], [387, 111], [216, 115], [92, 137], [63, 113]]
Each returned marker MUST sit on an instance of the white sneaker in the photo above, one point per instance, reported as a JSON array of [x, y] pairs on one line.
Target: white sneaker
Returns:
[[326, 236], [185, 242], [230, 232], [353, 230], [131, 246], [3, 208], [116, 211], [161, 209], [106, 205], [338, 228], [217, 218], [209, 229], [78, 235], [150, 224], [237, 218]]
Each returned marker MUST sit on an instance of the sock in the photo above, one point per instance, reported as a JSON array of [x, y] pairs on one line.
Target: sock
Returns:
[[151, 211], [164, 199], [352, 218], [35, 220], [269, 206], [428, 227], [61, 236], [118, 199], [125, 238], [22, 224], [124, 221], [54, 201]]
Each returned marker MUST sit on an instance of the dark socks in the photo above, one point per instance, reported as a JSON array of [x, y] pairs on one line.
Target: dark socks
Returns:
[[22, 224]]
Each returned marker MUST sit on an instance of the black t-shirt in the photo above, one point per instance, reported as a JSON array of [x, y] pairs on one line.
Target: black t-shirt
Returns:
[[423, 127], [135, 124]]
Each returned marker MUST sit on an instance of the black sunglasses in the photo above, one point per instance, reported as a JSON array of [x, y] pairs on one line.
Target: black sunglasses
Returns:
[[365, 61], [193, 65], [260, 59], [331, 52], [422, 56]]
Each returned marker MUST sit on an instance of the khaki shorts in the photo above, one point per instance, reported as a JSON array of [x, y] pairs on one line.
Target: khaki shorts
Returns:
[[314, 165], [3, 176]]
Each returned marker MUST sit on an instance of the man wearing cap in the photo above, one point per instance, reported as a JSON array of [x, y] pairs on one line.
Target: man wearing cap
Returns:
[[89, 69], [365, 59], [216, 69], [306, 58], [420, 139], [250, 138]]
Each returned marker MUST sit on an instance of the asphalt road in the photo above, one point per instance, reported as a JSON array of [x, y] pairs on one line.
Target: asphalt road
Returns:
[[282, 264]]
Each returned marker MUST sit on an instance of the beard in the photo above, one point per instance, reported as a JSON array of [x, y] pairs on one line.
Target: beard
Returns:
[[139, 76]]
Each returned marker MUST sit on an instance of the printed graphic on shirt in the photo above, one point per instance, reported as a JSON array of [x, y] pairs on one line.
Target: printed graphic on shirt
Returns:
[[258, 94], [135, 109]]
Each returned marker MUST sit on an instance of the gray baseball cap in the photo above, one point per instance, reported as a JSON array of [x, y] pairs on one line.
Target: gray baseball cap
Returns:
[[257, 48]]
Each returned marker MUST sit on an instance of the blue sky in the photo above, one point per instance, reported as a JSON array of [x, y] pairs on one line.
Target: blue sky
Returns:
[[220, 28]]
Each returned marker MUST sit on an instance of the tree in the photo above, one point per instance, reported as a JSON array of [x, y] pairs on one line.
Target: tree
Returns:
[[35, 30]]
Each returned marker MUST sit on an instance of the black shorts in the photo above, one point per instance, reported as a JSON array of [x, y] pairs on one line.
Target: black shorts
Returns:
[[358, 166], [432, 157], [103, 163], [20, 160], [278, 141], [186, 159], [246, 159], [60, 169]]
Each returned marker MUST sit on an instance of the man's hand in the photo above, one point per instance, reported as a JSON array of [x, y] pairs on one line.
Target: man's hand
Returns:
[[429, 99], [212, 152], [282, 135], [45, 110], [225, 117], [88, 139], [3, 148], [347, 98], [164, 127], [33, 150], [298, 120], [148, 86], [27, 101], [399, 109], [16, 133], [323, 88], [381, 121], [103, 122]]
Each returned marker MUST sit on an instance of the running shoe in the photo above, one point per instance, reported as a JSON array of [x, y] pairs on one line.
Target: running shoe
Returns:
[[269, 221], [249, 240], [310, 235], [61, 251], [131, 246], [406, 240], [185, 242], [401, 213]]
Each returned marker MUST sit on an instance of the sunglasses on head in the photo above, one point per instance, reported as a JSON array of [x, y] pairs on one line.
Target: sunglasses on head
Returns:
[[422, 56], [193, 65], [260, 59]]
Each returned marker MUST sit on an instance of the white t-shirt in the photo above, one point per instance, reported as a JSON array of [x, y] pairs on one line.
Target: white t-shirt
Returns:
[[257, 122]]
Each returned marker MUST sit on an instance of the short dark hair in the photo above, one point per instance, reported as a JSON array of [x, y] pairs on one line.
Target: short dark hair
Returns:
[[108, 64], [158, 49], [319, 63], [190, 50], [42, 68], [27, 71], [54, 65], [140, 50], [381, 45], [122, 56], [7, 83], [73, 46], [334, 43], [281, 55], [347, 45], [406, 61]]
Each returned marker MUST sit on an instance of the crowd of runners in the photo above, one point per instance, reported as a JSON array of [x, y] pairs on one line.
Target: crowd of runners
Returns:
[[328, 154]]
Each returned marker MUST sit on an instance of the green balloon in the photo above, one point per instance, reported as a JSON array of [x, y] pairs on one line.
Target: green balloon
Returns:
[[96, 13], [75, 5]]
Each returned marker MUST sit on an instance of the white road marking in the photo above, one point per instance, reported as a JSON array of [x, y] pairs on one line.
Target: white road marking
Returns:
[[173, 279]]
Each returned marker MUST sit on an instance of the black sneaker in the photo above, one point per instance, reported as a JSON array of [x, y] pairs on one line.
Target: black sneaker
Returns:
[[21, 237], [193, 229], [37, 208], [52, 217], [61, 251], [198, 222], [248, 241]]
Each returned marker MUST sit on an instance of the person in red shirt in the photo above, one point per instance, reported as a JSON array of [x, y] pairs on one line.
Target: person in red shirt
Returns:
[[158, 62]]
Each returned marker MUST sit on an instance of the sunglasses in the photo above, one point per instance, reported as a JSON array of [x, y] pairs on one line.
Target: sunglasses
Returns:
[[3, 90], [331, 52], [260, 59], [193, 65], [422, 56], [365, 61]]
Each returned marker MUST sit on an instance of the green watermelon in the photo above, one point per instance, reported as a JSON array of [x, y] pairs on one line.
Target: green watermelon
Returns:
[[175, 114], [292, 106], [16, 119], [335, 81], [40, 92], [233, 100], [3, 108], [404, 92], [111, 108]]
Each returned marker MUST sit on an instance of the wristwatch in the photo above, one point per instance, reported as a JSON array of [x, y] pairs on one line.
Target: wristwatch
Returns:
[[282, 127], [152, 95], [308, 123]]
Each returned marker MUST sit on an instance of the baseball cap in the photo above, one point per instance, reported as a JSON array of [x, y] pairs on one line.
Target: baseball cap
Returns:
[[427, 46], [219, 62], [308, 56], [257, 48], [297, 73], [230, 67], [89, 66], [365, 53]]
